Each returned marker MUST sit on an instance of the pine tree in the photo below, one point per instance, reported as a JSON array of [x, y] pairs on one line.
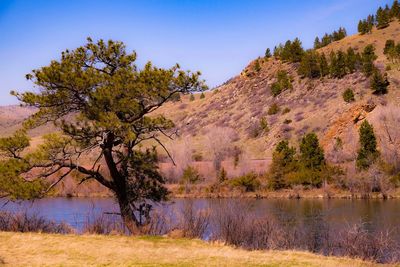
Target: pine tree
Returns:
[[311, 154], [257, 65], [367, 152], [395, 10], [309, 65], [191, 98], [202, 96], [283, 161], [317, 43], [268, 53], [296, 51], [351, 60], [389, 46], [382, 18], [110, 101], [361, 27], [379, 83], [326, 39], [323, 65], [368, 57]]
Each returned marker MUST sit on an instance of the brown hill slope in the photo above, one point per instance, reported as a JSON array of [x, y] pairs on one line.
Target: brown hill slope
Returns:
[[315, 105]]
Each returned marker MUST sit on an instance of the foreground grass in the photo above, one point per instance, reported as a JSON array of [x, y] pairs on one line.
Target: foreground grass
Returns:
[[33, 249]]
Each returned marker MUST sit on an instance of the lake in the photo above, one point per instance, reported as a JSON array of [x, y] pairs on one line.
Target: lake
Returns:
[[375, 214]]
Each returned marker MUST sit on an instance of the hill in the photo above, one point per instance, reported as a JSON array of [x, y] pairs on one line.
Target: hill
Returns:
[[312, 105]]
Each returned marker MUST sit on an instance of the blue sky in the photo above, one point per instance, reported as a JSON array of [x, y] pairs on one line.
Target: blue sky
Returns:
[[217, 37]]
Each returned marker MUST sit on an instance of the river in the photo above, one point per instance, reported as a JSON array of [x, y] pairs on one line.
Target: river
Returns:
[[375, 214]]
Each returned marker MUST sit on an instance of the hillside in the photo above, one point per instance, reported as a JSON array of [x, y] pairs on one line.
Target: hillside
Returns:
[[229, 116], [315, 104]]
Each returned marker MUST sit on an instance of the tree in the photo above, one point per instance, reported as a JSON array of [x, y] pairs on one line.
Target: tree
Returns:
[[362, 27], [311, 154], [317, 43], [323, 65], [382, 18], [268, 53], [379, 83], [395, 10], [309, 65], [338, 64], [112, 104], [296, 50], [283, 161], [191, 98], [351, 60], [202, 95], [368, 151], [367, 58], [389, 46]]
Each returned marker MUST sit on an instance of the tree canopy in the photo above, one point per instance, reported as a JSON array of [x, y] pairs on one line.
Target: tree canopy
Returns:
[[103, 105]]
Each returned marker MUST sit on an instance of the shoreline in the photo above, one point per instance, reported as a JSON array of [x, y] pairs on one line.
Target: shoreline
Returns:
[[281, 194]]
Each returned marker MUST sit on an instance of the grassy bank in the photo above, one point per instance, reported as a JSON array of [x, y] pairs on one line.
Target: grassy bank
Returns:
[[32, 249]]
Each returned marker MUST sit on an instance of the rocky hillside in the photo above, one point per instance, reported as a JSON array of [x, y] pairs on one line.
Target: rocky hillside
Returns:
[[312, 105]]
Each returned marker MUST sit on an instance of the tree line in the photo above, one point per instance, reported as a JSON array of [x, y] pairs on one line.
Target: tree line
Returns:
[[329, 38], [308, 166], [381, 19]]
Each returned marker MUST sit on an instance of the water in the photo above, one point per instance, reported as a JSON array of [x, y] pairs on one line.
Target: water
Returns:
[[375, 214]]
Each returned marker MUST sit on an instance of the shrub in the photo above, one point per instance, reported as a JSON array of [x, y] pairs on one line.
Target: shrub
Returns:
[[287, 121], [348, 95], [190, 176], [283, 82], [26, 222], [202, 96], [191, 98], [304, 176], [248, 181], [379, 83], [273, 109], [286, 110], [197, 157], [257, 66]]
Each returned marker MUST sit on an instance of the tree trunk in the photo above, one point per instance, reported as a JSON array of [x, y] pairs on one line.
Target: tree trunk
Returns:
[[127, 214]]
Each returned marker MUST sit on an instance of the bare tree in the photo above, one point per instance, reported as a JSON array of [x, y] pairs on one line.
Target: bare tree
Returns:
[[219, 141]]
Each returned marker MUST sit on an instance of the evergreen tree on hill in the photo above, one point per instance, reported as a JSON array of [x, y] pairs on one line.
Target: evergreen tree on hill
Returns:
[[367, 58], [382, 18]]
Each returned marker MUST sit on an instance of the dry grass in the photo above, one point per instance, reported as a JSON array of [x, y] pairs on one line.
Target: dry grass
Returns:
[[31, 249]]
